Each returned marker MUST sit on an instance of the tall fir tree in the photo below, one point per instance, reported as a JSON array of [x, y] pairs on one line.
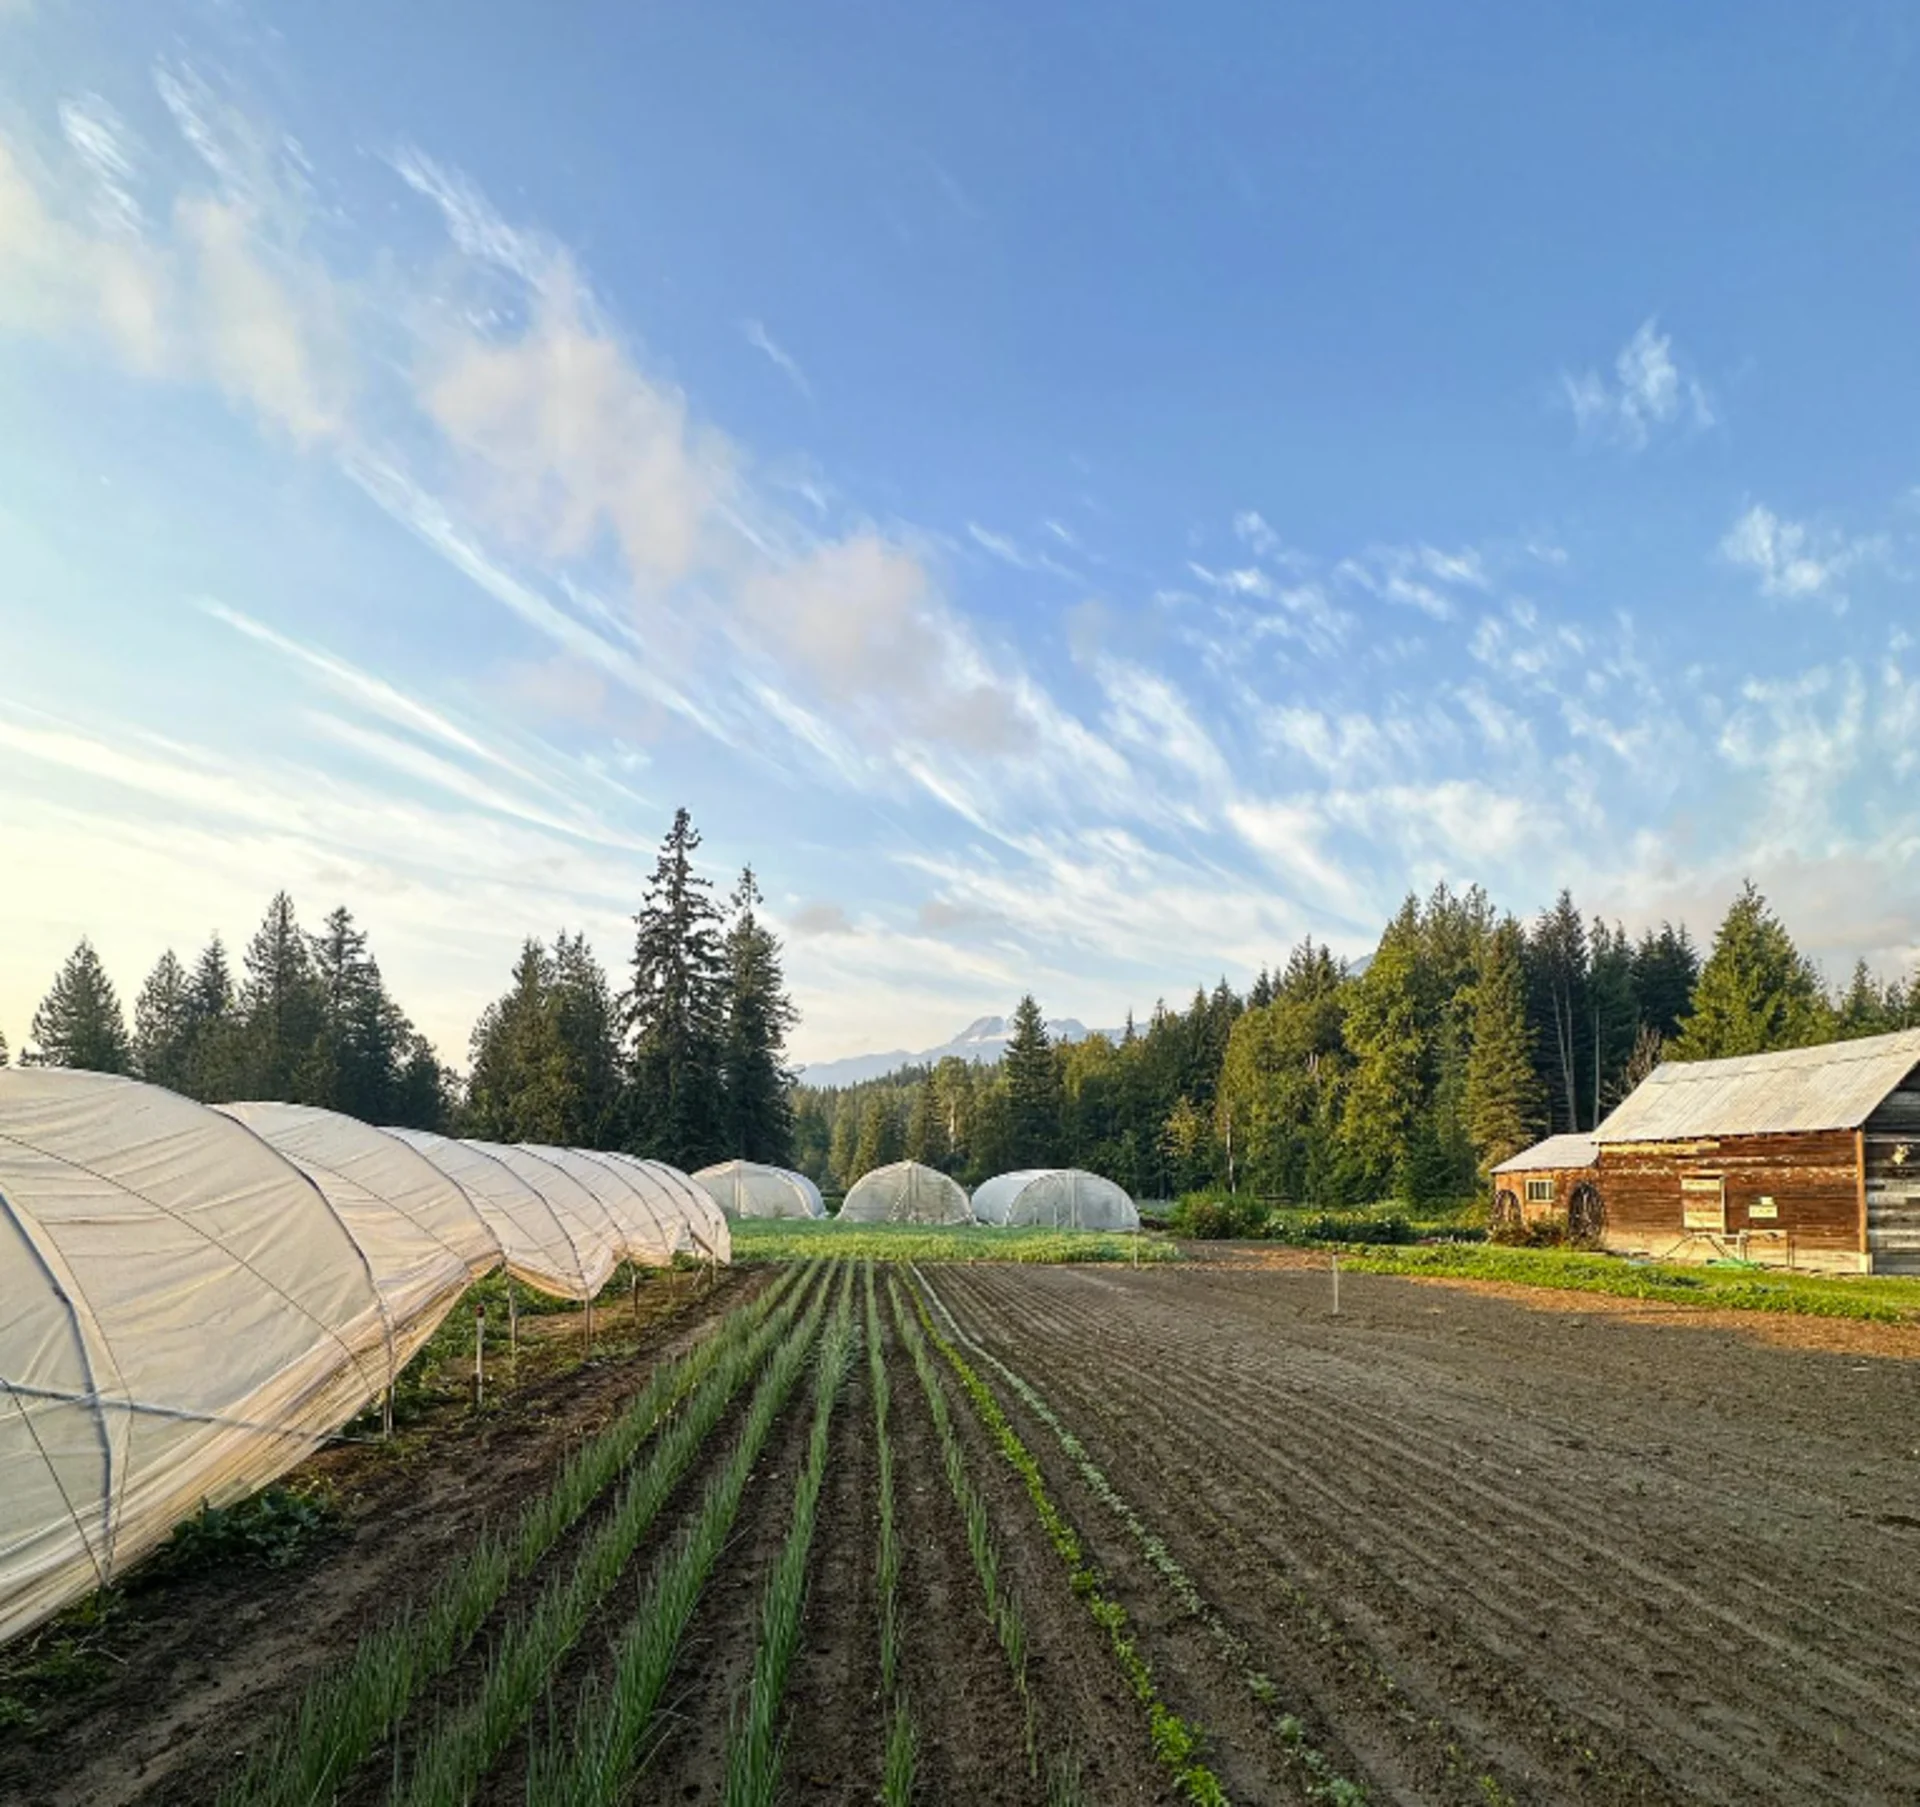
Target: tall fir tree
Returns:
[[759, 1014], [675, 1011], [1033, 1090], [79, 1022], [354, 1061], [1558, 971], [588, 1023], [518, 1088], [214, 1054], [1666, 967], [280, 1006], [163, 1025], [1867, 1007], [1506, 1103], [1757, 991], [1613, 1018], [882, 1140], [1387, 1091], [5, 1056]]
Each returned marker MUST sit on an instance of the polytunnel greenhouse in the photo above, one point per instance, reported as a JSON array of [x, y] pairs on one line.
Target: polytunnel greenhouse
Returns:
[[906, 1192], [751, 1189], [1060, 1198], [197, 1298]]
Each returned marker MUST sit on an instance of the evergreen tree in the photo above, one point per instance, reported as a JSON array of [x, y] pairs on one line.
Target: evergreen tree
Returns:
[[675, 1011], [280, 1006], [1033, 1090], [162, 1025], [1506, 1103], [1260, 993], [79, 1022], [353, 1063], [1612, 1015], [927, 1140], [1666, 967], [1756, 992], [881, 1141], [1866, 1007], [754, 1076], [586, 1020], [844, 1143], [1387, 1092], [518, 1089], [1559, 975], [4, 1055], [213, 1052]]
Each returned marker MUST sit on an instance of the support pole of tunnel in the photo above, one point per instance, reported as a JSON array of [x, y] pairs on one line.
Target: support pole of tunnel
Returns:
[[513, 1322], [479, 1355]]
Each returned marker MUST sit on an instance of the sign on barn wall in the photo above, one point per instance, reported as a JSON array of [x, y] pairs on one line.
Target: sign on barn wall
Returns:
[[1703, 1202]]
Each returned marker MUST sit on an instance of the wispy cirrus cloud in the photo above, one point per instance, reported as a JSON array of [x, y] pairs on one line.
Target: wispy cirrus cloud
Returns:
[[1796, 562], [1648, 392], [782, 360]]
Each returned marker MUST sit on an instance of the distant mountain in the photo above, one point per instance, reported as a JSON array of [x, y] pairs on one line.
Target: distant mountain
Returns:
[[984, 1040]]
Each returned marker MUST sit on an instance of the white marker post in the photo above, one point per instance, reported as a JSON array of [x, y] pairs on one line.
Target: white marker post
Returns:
[[1336, 1283], [479, 1355]]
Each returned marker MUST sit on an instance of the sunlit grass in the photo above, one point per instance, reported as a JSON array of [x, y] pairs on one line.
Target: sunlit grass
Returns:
[[787, 1239]]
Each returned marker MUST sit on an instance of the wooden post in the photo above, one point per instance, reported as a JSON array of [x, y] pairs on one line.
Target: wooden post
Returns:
[[479, 1355], [1860, 1183], [386, 1412], [589, 1328], [513, 1322], [633, 1273], [1336, 1283]]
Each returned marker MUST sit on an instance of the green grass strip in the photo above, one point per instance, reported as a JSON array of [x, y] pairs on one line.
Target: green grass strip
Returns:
[[1322, 1781], [1885, 1299], [789, 1238], [1003, 1611], [753, 1746], [1175, 1743], [349, 1709], [466, 1738], [591, 1762]]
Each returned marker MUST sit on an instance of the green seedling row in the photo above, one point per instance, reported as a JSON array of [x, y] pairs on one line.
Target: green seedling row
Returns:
[[896, 1788], [592, 1761], [350, 1709], [753, 1749], [463, 1742], [1003, 1610], [1175, 1743]]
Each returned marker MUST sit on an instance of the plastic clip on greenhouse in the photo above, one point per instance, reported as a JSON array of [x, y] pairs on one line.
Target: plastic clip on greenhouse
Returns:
[[197, 1298], [905, 1192], [1057, 1198]]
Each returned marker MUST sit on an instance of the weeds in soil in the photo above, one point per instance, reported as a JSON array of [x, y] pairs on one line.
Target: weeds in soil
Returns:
[[458, 1750], [1174, 1741], [1003, 1610], [1323, 1781], [753, 1748], [348, 1710], [590, 1761]]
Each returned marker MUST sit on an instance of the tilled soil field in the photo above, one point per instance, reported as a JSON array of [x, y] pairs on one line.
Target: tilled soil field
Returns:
[[1162, 1535], [1489, 1553]]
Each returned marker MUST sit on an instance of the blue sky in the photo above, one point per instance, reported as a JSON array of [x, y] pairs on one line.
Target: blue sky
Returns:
[[1078, 497]]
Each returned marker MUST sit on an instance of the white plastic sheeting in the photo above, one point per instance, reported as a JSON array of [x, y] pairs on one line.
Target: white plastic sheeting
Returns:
[[192, 1299], [906, 1192], [423, 1240], [1060, 1198], [752, 1189], [707, 1234], [538, 1246], [185, 1315]]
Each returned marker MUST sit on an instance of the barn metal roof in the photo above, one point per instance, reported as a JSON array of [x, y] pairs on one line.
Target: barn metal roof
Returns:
[[1836, 1086], [1555, 1152]]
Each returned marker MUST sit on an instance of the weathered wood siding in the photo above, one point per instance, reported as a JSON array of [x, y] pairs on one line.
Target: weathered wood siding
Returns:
[[1540, 1210], [1813, 1181], [1892, 1141]]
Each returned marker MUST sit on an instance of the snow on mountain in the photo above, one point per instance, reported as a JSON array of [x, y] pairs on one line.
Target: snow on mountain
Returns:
[[984, 1040]]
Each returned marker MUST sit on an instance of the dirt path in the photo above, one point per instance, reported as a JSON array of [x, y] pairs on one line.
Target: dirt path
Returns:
[[201, 1665], [1576, 1557]]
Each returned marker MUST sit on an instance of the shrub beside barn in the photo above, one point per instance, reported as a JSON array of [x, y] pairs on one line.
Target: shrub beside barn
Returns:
[[1808, 1157]]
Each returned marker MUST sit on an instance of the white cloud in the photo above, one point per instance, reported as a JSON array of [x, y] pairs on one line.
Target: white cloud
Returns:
[[783, 360], [1649, 392], [1795, 562], [1009, 551]]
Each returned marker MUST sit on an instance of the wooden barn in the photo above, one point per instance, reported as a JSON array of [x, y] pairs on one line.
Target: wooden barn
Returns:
[[1809, 1158], [1553, 1181]]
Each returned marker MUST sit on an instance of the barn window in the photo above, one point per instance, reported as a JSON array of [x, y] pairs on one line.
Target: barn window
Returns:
[[1540, 1192]]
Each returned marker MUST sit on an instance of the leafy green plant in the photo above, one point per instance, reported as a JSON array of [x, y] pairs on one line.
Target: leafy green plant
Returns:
[[275, 1527], [786, 1239], [1217, 1216]]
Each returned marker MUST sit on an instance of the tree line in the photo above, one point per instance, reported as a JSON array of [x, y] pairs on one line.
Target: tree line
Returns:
[[1465, 1037], [686, 1063]]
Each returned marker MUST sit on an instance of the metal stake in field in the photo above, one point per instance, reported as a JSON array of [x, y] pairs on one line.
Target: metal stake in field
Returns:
[[1336, 1283], [479, 1354]]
